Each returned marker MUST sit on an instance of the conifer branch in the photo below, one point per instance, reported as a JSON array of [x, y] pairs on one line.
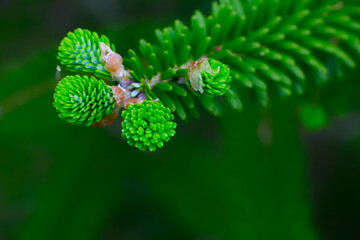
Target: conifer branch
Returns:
[[260, 44]]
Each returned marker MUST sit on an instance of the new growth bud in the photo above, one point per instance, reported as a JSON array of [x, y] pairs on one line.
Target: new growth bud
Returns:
[[195, 70], [113, 63], [209, 77], [147, 125], [83, 100]]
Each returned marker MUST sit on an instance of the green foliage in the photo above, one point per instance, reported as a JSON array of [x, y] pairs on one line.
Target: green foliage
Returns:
[[79, 52], [213, 77], [254, 192], [83, 100], [260, 44], [267, 45], [148, 125]]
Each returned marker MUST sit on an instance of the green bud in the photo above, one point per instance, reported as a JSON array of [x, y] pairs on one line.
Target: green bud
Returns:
[[209, 77], [148, 125], [83, 100], [79, 52]]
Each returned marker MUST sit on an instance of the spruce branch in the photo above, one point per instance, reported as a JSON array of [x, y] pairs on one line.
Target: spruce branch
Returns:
[[260, 44]]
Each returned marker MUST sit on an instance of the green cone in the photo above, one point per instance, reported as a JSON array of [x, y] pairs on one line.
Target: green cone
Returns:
[[82, 100], [148, 125]]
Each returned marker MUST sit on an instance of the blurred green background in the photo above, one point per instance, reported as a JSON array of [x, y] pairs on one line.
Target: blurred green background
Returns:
[[257, 174]]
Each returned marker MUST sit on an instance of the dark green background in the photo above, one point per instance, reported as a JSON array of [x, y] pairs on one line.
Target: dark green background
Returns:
[[257, 174]]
